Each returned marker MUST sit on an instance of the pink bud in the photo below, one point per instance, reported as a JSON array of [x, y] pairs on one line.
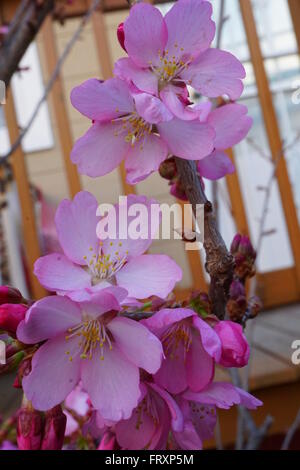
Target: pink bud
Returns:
[[108, 441], [121, 36], [55, 428], [10, 295], [237, 290], [11, 315], [29, 429], [235, 347], [235, 243]]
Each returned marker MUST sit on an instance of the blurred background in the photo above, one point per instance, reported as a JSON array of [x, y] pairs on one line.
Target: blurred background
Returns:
[[262, 199]]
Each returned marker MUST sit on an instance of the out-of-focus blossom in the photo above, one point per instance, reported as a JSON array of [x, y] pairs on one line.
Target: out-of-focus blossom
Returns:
[[235, 347], [10, 295], [168, 52], [191, 347], [108, 441], [11, 315], [88, 264], [125, 125], [78, 401], [30, 428], [87, 342]]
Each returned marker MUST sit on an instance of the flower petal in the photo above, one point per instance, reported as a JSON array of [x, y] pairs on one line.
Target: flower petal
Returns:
[[191, 140], [136, 342], [176, 415], [143, 79], [76, 223], [47, 318], [172, 374], [223, 395], [167, 317], [100, 150], [145, 34], [231, 124], [143, 160], [53, 375], [190, 28], [209, 337], [216, 73], [112, 384], [148, 275], [136, 432], [188, 439], [215, 166], [200, 367], [151, 109], [102, 101], [57, 273]]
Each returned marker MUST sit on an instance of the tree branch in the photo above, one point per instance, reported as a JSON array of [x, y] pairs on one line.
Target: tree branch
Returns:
[[26, 25], [219, 262]]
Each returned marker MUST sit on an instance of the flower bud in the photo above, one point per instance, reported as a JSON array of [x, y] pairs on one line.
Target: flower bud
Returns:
[[108, 441], [11, 315], [55, 427], [121, 36], [244, 256], [10, 295], [237, 303], [235, 243], [29, 428], [235, 347], [167, 169]]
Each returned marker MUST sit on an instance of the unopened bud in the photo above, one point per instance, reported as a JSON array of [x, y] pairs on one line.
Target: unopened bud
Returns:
[[108, 441], [10, 295], [167, 169], [237, 303], [55, 427], [121, 36], [235, 243], [29, 428], [11, 315]]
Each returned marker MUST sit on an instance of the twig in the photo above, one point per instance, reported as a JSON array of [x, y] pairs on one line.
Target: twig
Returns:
[[53, 77], [291, 433]]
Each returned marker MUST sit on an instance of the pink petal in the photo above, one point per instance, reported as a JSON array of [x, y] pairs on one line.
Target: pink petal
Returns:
[[172, 374], [144, 159], [76, 223], [53, 374], [57, 273], [176, 415], [130, 209], [223, 395], [189, 28], [216, 73], [112, 384], [145, 34], [191, 140], [100, 150], [200, 366], [136, 342], [103, 301], [102, 101], [151, 109], [188, 439], [231, 124], [47, 318], [143, 79], [215, 166], [175, 105], [167, 317], [136, 433], [204, 418], [209, 337], [148, 275]]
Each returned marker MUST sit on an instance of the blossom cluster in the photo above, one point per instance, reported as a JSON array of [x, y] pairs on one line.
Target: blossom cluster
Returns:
[[111, 345]]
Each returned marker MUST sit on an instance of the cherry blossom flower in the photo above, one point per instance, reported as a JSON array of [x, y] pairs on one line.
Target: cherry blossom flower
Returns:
[[125, 126], [167, 53], [150, 423], [235, 347], [87, 342], [88, 264], [199, 411], [191, 347]]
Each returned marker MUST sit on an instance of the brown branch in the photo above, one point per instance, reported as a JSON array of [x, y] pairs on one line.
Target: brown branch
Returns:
[[28, 21], [219, 262], [291, 433]]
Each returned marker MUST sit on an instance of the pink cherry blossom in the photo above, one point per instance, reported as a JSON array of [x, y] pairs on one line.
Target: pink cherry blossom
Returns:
[[166, 52], [87, 342], [150, 423], [88, 264], [235, 347], [199, 411], [125, 125], [191, 347]]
